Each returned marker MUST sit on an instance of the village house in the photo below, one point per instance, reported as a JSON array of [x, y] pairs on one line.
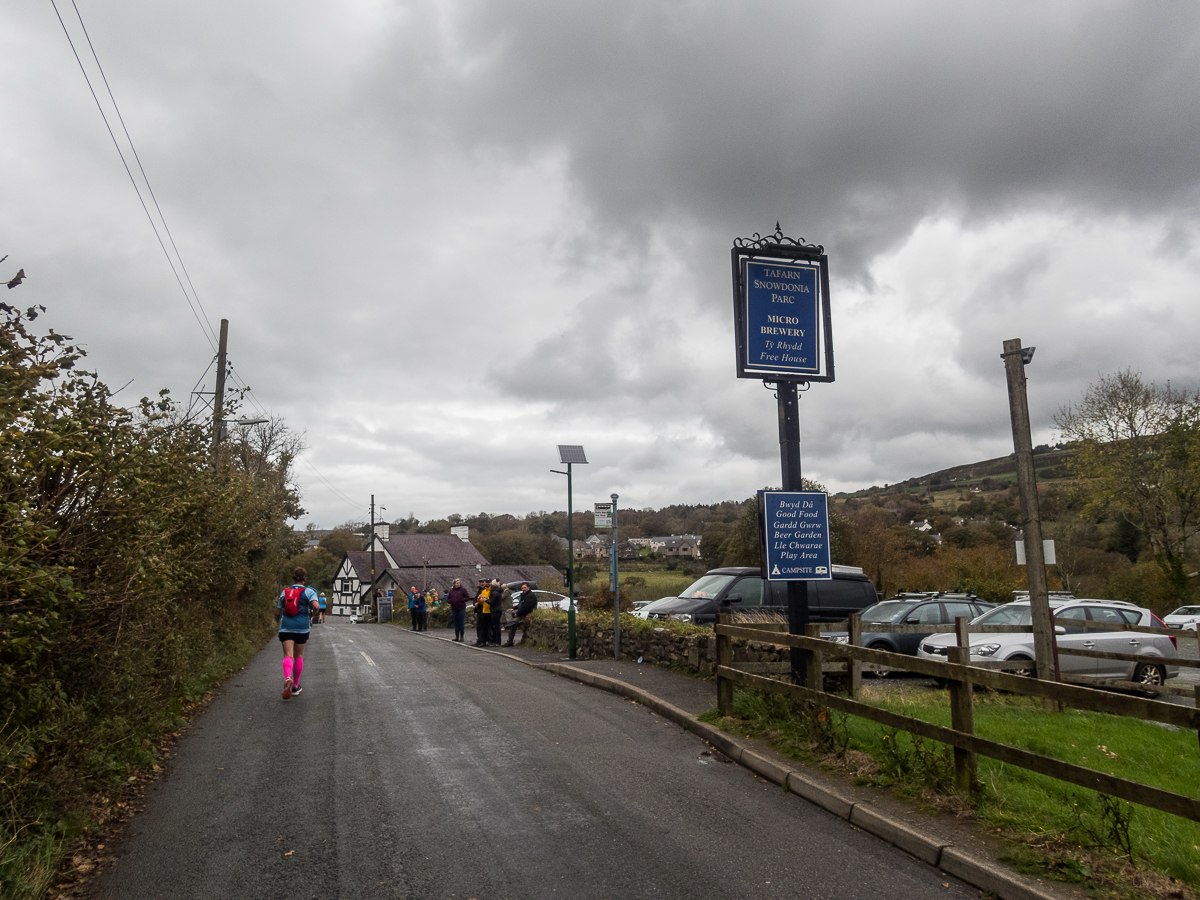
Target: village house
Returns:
[[423, 560]]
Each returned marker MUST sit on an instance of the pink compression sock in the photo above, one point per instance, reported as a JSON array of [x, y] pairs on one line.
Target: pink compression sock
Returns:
[[299, 668], [287, 667]]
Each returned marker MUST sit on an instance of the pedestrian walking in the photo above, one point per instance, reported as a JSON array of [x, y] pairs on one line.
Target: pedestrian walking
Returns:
[[295, 609], [458, 597], [321, 614], [526, 604]]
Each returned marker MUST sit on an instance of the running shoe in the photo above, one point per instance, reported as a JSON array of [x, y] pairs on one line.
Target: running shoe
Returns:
[[287, 689], [296, 690]]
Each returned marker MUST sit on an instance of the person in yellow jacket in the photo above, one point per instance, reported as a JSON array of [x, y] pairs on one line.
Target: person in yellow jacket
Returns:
[[483, 613]]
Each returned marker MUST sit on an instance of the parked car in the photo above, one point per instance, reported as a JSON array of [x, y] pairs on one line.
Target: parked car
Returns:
[[1186, 618], [644, 612], [912, 609], [1157, 649], [545, 599], [742, 588]]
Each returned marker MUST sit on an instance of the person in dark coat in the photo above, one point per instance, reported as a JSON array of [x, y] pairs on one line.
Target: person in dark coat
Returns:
[[526, 604], [458, 597], [501, 599]]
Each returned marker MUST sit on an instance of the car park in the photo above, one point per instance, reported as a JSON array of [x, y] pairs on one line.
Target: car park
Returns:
[[1157, 650], [1186, 618], [930, 608], [742, 589]]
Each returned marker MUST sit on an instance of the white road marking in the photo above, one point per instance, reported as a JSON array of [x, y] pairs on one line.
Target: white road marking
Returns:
[[367, 658]]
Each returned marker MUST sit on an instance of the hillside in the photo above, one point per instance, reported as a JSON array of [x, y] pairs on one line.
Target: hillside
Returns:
[[1050, 464]]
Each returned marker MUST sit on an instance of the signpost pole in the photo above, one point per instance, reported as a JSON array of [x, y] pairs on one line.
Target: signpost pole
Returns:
[[616, 590], [789, 457]]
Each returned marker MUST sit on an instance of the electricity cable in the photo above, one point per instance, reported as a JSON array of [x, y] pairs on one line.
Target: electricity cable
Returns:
[[145, 177], [202, 322], [197, 307]]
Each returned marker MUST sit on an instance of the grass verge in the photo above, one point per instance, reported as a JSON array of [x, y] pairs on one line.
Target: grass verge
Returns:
[[1053, 829]]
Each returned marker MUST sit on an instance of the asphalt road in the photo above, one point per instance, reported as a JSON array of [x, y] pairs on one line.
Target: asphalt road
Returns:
[[412, 767]]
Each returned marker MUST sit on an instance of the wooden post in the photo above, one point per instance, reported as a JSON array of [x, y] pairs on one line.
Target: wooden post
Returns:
[[962, 710], [1014, 357], [854, 666], [816, 660], [724, 658], [219, 396]]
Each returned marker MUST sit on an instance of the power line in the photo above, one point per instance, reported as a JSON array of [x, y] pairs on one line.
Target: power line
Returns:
[[201, 315], [145, 177], [202, 321]]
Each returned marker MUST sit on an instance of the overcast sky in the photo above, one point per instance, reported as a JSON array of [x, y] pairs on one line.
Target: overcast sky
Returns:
[[451, 235]]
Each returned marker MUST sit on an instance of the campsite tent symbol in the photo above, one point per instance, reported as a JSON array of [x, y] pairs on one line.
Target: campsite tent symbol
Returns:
[[775, 571]]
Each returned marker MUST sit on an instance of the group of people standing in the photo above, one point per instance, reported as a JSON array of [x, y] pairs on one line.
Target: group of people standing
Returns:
[[490, 602], [418, 607]]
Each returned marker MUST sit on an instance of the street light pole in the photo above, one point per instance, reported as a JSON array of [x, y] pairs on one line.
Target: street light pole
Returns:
[[616, 588], [568, 454]]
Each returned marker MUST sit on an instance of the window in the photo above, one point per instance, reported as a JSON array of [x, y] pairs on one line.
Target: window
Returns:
[[954, 610], [1077, 614], [1108, 616], [925, 614], [751, 591]]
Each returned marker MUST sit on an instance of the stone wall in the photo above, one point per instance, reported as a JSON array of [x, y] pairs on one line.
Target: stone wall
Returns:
[[695, 653]]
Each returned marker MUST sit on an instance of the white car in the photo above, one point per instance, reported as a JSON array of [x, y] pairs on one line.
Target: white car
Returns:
[[1186, 618], [1158, 649]]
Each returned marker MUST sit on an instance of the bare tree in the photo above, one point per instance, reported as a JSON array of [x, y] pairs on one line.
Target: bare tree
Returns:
[[1137, 444]]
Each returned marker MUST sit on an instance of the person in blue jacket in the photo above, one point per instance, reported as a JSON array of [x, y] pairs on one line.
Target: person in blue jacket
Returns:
[[416, 608], [294, 629]]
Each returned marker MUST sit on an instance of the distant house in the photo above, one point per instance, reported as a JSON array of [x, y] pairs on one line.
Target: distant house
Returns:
[[592, 547], [395, 565], [677, 545], [923, 526]]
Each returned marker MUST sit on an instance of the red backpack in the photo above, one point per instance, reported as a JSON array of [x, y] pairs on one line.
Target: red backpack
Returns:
[[291, 599]]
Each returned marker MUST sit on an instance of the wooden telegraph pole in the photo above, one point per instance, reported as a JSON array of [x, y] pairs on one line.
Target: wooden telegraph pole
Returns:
[[1015, 359], [219, 397]]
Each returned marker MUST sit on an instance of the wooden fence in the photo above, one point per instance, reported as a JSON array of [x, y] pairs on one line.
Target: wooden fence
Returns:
[[961, 676]]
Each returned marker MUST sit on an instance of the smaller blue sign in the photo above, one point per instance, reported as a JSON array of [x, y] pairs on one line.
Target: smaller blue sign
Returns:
[[796, 535]]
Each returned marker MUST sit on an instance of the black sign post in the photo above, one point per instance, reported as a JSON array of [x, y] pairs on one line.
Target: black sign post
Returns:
[[784, 336]]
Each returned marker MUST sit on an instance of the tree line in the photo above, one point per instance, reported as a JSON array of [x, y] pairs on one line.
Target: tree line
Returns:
[[135, 569]]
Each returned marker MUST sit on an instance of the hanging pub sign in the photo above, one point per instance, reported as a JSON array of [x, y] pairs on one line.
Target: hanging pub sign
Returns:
[[781, 309]]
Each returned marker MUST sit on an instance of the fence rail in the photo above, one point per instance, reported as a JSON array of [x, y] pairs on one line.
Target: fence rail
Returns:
[[961, 677]]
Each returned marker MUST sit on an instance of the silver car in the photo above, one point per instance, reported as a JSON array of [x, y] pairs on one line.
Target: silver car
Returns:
[[1158, 649]]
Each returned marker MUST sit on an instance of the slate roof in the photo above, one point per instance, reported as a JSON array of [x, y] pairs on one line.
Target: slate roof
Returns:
[[437, 549], [443, 578]]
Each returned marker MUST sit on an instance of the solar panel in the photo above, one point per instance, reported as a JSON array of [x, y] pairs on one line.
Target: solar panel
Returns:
[[571, 453]]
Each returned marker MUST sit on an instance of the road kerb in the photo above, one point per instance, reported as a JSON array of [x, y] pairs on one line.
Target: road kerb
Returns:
[[921, 846], [990, 877], [976, 872]]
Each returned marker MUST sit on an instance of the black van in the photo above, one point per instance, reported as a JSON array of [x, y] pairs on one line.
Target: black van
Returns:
[[743, 589]]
